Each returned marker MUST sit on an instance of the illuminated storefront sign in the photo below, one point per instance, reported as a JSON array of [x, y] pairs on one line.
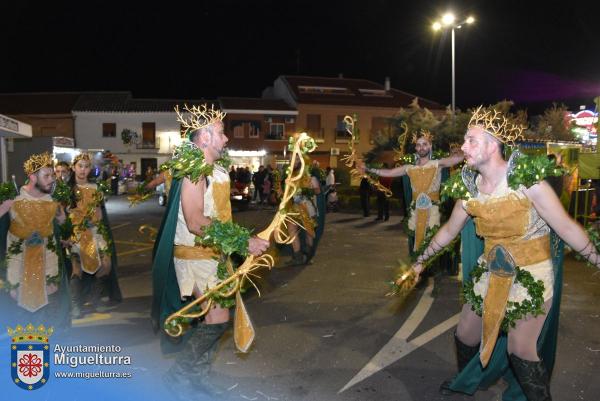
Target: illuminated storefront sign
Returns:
[[585, 125]]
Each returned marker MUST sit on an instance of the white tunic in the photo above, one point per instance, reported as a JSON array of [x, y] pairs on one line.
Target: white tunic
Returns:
[[199, 272]]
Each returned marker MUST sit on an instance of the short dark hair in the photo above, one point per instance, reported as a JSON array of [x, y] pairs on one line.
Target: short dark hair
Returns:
[[63, 163]]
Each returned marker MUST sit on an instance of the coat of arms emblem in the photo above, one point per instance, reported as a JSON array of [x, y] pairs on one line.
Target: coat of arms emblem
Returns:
[[30, 356]]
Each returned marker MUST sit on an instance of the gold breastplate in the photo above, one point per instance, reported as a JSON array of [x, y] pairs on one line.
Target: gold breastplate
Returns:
[[504, 221]]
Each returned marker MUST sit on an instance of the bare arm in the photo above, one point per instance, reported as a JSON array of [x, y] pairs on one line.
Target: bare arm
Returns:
[[552, 211], [452, 160], [5, 206], [444, 236], [315, 185], [192, 204], [156, 182]]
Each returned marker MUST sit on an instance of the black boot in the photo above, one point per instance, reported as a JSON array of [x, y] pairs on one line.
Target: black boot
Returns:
[[464, 353], [188, 376], [97, 289], [533, 378], [298, 258], [75, 289]]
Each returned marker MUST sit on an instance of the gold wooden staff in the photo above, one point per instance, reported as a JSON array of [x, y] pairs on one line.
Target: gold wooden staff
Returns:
[[351, 159], [243, 330], [402, 139]]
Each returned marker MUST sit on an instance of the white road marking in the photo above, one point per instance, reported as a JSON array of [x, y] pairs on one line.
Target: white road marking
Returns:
[[397, 348]]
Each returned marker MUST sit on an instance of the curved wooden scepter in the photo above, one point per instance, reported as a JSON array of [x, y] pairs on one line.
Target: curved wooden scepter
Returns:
[[243, 330], [402, 140], [351, 159]]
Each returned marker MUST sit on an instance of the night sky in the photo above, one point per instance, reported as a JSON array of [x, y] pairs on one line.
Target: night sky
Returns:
[[534, 52]]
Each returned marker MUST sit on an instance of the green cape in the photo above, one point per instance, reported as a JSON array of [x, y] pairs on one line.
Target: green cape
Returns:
[[166, 297]]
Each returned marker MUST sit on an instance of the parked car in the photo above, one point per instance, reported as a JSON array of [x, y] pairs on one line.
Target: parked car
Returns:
[[162, 195]]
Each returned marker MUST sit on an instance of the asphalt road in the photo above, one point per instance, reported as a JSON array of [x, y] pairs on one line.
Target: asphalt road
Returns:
[[326, 331]]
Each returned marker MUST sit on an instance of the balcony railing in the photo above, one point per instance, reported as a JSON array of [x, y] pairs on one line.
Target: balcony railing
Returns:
[[149, 144], [341, 136], [318, 134], [275, 136]]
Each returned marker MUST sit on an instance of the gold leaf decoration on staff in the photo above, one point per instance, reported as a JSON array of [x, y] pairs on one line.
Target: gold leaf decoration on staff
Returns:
[[243, 330], [351, 159]]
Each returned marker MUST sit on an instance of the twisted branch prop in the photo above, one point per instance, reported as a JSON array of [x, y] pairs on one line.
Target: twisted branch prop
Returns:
[[351, 159], [402, 140], [243, 330]]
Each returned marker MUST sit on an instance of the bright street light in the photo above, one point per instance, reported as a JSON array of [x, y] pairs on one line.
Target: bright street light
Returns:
[[448, 21]]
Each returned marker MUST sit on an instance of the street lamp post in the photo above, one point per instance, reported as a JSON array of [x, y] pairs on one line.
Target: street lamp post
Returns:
[[448, 21]]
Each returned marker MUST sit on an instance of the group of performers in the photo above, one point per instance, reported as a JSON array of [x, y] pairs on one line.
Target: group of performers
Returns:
[[57, 249], [510, 221]]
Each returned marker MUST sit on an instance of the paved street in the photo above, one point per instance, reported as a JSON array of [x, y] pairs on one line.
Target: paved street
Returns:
[[326, 331]]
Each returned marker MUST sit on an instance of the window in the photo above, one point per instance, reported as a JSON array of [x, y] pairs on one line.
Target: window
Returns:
[[380, 127], [313, 126], [109, 130], [341, 135], [276, 131], [148, 136], [241, 129]]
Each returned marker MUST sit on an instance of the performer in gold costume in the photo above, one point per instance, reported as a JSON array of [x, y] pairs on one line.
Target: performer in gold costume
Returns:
[[425, 179], [35, 269], [509, 324], [306, 213], [182, 267], [92, 252]]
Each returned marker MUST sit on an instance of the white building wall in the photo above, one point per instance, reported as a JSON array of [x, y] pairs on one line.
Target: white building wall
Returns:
[[88, 134]]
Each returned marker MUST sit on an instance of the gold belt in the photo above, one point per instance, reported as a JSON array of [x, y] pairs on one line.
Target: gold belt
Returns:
[[193, 252], [524, 252]]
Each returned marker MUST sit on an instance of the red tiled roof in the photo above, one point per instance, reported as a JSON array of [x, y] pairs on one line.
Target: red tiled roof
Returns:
[[249, 103], [353, 94], [123, 102]]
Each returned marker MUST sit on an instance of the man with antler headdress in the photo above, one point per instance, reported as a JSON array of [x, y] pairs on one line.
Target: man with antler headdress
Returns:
[[425, 177], [509, 323], [93, 256], [35, 269], [183, 267]]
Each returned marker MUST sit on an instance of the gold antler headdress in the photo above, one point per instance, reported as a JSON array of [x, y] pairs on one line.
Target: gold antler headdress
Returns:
[[37, 162], [497, 125], [200, 117], [82, 156], [423, 133]]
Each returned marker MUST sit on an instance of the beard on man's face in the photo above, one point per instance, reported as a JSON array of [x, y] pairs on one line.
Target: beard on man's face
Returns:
[[46, 189]]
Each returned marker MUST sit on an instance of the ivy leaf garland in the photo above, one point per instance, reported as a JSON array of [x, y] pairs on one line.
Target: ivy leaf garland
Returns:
[[7, 191], [188, 161], [531, 170], [515, 311], [454, 188], [62, 192], [227, 238]]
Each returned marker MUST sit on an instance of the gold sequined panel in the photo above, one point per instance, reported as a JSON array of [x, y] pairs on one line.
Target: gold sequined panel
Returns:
[[32, 216], [504, 221], [32, 293], [168, 180], [505, 217], [221, 197], [421, 178], [85, 199]]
